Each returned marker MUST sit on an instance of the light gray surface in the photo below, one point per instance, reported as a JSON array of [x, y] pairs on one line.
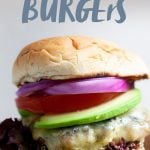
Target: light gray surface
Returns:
[[133, 34]]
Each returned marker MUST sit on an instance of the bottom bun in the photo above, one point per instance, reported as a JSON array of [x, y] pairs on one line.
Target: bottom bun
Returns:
[[147, 143]]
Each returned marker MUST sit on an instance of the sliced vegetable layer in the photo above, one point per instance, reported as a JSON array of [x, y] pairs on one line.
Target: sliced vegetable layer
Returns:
[[25, 113], [115, 107], [78, 86], [56, 104]]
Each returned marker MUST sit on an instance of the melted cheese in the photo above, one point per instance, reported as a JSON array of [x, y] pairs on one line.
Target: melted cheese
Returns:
[[134, 125]]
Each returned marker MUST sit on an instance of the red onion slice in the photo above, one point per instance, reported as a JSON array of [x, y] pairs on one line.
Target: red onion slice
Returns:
[[31, 88], [92, 85]]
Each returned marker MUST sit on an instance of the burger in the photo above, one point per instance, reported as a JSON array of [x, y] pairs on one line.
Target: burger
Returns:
[[78, 93]]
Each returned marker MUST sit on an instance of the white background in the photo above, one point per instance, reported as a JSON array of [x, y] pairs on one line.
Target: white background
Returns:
[[133, 34]]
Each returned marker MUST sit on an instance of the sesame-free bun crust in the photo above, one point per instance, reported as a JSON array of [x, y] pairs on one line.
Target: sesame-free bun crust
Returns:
[[72, 57]]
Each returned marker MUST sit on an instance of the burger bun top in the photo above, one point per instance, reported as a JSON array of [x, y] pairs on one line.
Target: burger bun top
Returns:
[[71, 57]]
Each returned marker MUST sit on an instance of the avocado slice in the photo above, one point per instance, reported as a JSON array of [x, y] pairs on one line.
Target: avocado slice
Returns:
[[115, 107], [25, 113]]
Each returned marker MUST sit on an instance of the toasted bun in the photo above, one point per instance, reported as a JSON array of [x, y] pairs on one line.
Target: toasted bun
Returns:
[[75, 57]]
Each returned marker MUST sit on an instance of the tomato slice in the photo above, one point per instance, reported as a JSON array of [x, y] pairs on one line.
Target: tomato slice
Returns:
[[52, 104]]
